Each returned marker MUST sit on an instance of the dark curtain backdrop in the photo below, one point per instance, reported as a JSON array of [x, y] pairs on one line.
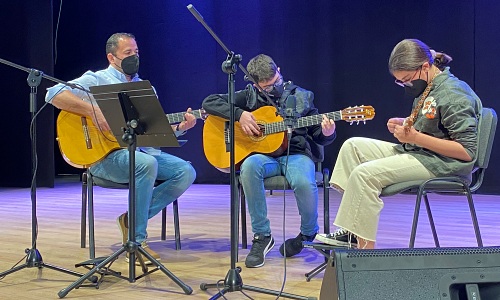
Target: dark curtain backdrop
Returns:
[[26, 40], [338, 49]]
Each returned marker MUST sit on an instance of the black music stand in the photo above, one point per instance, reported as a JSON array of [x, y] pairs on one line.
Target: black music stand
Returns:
[[136, 118]]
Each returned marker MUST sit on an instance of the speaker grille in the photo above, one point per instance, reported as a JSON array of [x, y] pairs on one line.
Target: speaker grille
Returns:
[[355, 253], [415, 274]]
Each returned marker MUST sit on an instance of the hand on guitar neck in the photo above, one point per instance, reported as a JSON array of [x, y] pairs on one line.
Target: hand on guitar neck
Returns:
[[188, 122]]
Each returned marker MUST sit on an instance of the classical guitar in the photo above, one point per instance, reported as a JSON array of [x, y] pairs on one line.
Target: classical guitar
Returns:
[[271, 140], [82, 143]]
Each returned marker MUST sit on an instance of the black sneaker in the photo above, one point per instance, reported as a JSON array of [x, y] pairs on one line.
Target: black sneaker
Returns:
[[261, 245], [340, 237], [294, 246]]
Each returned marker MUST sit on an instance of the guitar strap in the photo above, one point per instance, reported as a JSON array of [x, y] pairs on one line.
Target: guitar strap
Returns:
[[253, 96], [289, 88]]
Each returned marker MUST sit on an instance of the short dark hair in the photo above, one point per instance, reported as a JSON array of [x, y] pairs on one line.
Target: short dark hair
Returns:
[[262, 68], [112, 43]]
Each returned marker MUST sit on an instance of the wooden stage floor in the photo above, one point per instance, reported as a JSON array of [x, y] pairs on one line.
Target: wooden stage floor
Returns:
[[205, 237]]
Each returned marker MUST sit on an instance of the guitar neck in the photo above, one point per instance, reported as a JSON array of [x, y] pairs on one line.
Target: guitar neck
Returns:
[[179, 117], [302, 122]]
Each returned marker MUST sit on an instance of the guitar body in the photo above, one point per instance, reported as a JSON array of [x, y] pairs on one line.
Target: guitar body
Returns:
[[80, 150], [214, 137], [271, 140], [82, 144]]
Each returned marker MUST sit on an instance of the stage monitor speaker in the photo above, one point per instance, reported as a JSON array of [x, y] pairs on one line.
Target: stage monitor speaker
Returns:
[[413, 274]]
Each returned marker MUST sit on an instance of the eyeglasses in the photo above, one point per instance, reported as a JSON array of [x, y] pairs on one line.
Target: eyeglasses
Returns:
[[408, 82], [277, 82]]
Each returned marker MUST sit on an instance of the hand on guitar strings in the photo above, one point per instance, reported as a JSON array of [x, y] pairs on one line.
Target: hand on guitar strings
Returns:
[[392, 122], [99, 120], [248, 124], [405, 135]]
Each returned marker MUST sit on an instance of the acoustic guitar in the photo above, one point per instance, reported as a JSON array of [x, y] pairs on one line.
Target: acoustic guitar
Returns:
[[82, 143], [271, 140]]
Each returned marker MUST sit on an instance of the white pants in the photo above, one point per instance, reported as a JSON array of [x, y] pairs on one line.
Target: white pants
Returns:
[[364, 167]]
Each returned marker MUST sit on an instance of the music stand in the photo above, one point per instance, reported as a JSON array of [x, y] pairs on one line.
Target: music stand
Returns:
[[135, 116]]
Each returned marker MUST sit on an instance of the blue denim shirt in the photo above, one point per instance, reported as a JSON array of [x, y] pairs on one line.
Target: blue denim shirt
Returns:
[[88, 79], [102, 77]]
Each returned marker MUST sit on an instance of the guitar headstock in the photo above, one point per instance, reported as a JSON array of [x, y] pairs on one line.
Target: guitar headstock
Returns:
[[361, 113]]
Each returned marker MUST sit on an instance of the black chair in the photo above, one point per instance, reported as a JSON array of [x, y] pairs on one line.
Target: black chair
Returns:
[[452, 184], [88, 183], [278, 182]]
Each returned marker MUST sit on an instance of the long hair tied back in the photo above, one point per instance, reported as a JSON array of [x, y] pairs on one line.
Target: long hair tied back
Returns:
[[441, 59], [410, 54]]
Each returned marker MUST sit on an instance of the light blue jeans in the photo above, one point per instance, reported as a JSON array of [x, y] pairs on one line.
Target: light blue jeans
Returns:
[[300, 175], [177, 174]]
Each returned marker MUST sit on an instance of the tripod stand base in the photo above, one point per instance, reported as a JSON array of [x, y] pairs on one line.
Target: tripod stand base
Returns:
[[134, 250], [106, 270], [233, 283], [34, 260], [324, 249], [309, 275]]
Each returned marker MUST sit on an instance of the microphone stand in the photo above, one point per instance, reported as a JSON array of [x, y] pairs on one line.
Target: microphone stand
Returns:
[[233, 281], [33, 256]]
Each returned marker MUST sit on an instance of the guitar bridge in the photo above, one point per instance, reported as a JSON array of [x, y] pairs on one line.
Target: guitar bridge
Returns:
[[86, 134]]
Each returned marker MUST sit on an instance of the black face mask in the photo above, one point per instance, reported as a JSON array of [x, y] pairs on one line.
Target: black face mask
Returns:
[[417, 88], [277, 91], [130, 65]]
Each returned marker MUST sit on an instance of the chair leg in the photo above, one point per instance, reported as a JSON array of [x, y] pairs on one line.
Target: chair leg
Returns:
[[326, 205], [176, 225], [474, 219], [83, 219], [90, 192], [431, 221], [326, 202], [243, 212], [175, 207], [415, 218], [164, 224]]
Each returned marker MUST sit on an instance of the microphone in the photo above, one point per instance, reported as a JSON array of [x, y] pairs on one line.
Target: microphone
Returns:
[[290, 113]]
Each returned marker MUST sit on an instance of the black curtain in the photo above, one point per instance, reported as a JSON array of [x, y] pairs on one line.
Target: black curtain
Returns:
[[337, 49], [26, 35]]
